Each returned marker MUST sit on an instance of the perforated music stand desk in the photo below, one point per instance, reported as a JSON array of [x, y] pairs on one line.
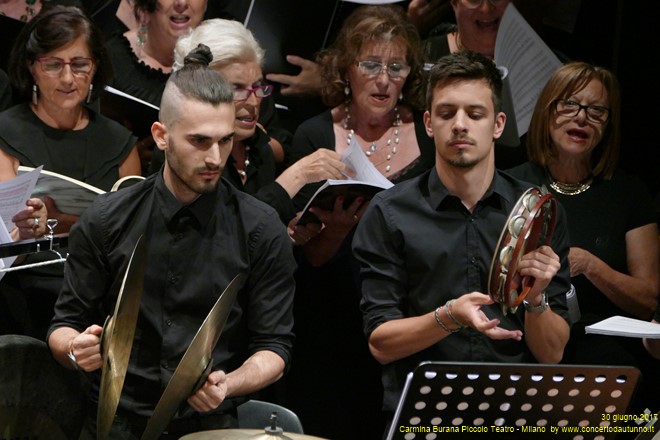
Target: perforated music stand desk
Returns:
[[522, 399]]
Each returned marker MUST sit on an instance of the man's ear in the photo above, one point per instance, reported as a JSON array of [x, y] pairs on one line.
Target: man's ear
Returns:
[[500, 122], [159, 133], [427, 123]]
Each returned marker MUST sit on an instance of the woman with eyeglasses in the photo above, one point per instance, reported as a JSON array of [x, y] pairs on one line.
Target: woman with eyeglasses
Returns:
[[372, 82], [573, 147], [59, 64], [252, 166]]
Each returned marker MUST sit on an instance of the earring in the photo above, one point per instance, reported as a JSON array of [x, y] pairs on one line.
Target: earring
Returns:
[[347, 89], [35, 95], [142, 35], [400, 96], [89, 95]]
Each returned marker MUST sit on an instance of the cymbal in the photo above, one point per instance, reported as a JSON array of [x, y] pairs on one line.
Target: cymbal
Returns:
[[196, 363], [246, 434], [117, 339]]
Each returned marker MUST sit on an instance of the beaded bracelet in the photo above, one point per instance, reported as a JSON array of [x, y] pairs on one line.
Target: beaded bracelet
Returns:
[[442, 324], [451, 316]]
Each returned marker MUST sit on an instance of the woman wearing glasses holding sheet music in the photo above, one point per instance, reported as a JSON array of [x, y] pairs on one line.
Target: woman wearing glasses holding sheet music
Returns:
[[372, 80], [58, 64]]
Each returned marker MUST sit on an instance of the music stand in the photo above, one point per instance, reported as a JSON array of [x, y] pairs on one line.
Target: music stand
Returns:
[[512, 400]]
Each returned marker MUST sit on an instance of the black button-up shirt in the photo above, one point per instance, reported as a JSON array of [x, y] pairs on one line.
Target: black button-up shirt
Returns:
[[194, 252], [419, 247]]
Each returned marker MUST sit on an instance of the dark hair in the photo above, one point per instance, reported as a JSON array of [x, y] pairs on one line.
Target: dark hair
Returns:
[[55, 27], [194, 81], [148, 6], [465, 65], [364, 25], [565, 81]]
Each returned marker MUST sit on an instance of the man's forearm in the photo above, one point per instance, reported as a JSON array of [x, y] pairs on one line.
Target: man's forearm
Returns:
[[546, 335], [258, 371]]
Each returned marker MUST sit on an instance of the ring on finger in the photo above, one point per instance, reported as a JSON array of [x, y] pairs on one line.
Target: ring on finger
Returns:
[[356, 218], [36, 223]]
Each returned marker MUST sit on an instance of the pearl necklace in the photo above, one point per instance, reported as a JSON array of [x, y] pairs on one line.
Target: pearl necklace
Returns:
[[243, 172], [392, 144]]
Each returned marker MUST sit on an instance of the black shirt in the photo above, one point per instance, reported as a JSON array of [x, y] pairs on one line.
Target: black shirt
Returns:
[[194, 252], [419, 247]]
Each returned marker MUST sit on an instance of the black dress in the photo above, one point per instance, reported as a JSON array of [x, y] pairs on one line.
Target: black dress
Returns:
[[92, 155]]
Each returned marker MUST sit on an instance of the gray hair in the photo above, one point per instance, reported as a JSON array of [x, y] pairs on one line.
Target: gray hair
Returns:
[[228, 40]]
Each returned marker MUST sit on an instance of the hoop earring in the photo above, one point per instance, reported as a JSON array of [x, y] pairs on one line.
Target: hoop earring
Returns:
[[89, 95], [35, 95]]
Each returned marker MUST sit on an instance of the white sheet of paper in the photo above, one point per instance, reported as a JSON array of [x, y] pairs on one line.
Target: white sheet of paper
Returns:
[[529, 60], [622, 326], [365, 171], [14, 193]]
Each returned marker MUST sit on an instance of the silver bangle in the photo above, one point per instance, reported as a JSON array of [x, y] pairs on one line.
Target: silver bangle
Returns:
[[442, 324], [72, 358]]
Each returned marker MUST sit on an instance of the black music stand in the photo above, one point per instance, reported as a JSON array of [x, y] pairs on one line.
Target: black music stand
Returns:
[[441, 397]]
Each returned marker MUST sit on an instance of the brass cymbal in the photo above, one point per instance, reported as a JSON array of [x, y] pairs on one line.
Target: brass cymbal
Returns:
[[195, 364], [117, 339], [246, 434]]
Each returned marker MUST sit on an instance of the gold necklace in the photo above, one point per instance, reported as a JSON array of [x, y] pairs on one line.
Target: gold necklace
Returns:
[[571, 189]]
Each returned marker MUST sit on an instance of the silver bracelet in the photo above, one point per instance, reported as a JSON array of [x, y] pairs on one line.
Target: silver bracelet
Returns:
[[442, 324]]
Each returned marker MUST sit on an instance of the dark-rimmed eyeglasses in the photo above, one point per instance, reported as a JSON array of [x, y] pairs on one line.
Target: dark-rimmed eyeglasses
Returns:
[[475, 4], [53, 66], [242, 94], [570, 108], [374, 68]]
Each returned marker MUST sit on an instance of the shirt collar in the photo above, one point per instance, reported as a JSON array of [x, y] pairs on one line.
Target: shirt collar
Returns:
[[498, 189], [201, 209]]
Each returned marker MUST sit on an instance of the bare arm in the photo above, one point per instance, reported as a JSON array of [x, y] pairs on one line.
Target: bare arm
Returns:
[[636, 293], [322, 164], [8, 166], [546, 333], [400, 338], [258, 371], [131, 165]]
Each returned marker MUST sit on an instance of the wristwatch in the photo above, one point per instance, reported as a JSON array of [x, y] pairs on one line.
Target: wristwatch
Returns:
[[540, 308]]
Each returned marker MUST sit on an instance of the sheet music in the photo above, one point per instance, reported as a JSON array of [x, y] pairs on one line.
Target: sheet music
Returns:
[[14, 193], [365, 171], [622, 326], [529, 60], [5, 238]]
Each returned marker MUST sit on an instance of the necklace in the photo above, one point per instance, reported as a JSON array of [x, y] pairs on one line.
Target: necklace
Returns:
[[30, 11], [243, 172], [571, 189], [392, 142]]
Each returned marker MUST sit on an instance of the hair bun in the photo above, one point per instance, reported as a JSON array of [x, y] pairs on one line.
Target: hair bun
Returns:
[[201, 55]]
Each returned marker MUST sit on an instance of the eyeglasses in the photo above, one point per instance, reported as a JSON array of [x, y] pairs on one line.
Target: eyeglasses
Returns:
[[53, 66], [570, 108], [374, 68], [259, 91], [475, 4]]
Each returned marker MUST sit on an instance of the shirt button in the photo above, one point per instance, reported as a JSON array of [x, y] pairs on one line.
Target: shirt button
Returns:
[[473, 260], [168, 322], [471, 219], [166, 365]]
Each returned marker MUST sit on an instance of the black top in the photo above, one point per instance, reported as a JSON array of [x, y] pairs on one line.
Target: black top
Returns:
[[132, 76], [5, 91], [598, 220], [261, 175], [419, 247], [194, 252], [92, 155]]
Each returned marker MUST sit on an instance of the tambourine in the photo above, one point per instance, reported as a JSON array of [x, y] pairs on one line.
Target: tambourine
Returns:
[[529, 226]]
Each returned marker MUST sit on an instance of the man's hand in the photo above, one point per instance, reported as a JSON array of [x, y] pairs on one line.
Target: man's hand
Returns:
[[211, 394], [467, 311], [579, 260], [339, 222], [86, 348], [307, 82], [541, 264], [31, 221], [301, 234]]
